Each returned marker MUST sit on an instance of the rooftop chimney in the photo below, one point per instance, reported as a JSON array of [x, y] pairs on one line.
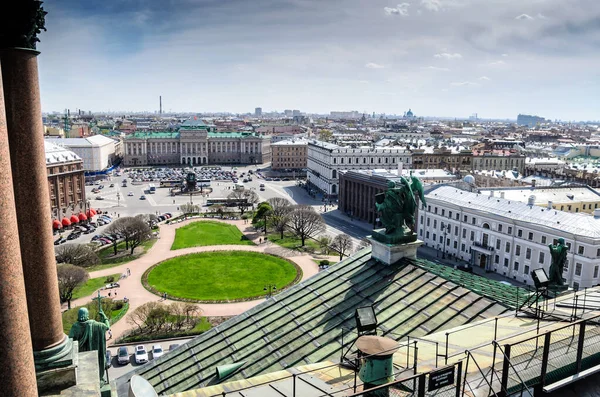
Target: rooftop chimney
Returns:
[[597, 213], [378, 365], [549, 205], [502, 195]]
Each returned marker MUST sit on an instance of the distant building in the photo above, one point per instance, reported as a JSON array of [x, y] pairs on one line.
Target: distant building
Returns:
[[196, 143], [66, 182], [498, 160], [445, 158], [345, 115], [529, 121], [98, 152], [288, 112], [295, 112], [290, 154], [326, 160], [258, 112]]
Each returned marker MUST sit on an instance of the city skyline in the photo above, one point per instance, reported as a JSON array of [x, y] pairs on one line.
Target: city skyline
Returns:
[[444, 58]]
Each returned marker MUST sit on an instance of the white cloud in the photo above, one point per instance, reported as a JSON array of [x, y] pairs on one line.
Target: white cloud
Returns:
[[523, 17], [363, 81], [401, 9], [437, 69], [497, 63], [464, 84], [373, 65], [432, 5], [484, 78], [504, 55], [447, 55], [541, 16]]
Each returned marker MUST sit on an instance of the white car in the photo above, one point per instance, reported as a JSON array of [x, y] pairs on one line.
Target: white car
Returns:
[[157, 351], [141, 355], [130, 194]]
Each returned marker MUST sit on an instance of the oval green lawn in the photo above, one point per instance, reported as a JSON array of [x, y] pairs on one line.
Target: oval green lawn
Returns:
[[219, 276], [204, 233]]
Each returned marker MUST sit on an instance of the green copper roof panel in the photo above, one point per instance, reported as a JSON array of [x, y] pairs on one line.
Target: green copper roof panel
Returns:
[[303, 324]]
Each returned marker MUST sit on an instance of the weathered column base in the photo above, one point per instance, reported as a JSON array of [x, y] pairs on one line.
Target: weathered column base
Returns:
[[392, 253], [56, 368]]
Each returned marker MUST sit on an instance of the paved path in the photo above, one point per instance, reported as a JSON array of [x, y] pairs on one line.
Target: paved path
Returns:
[[132, 288]]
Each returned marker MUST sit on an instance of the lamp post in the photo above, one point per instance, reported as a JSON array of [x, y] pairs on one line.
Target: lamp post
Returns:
[[270, 289], [446, 229], [118, 199]]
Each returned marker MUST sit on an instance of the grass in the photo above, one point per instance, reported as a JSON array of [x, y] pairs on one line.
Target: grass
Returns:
[[114, 310], [92, 285], [108, 260], [294, 243], [221, 276], [203, 233]]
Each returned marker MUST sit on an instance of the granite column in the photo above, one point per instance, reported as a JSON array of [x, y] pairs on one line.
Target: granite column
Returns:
[[16, 360], [28, 164]]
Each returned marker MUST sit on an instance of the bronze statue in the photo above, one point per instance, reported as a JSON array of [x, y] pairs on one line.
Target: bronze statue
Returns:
[[559, 257], [91, 334], [397, 207]]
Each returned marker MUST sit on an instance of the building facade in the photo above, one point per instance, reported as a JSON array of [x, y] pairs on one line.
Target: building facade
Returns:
[[444, 158], [484, 160], [509, 237], [66, 182], [98, 152], [196, 145], [291, 154]]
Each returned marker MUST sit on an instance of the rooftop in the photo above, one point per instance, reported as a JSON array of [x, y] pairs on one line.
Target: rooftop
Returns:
[[56, 154], [304, 324], [576, 223], [543, 195], [95, 140], [153, 135]]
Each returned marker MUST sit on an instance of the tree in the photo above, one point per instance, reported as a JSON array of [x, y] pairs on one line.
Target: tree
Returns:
[[325, 135], [69, 278], [218, 209], [304, 222], [324, 243], [279, 215], [189, 208], [81, 255], [342, 243], [148, 218], [364, 243], [137, 232], [263, 211], [118, 226], [244, 198]]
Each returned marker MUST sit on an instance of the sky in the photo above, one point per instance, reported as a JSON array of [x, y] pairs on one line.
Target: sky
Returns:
[[447, 58]]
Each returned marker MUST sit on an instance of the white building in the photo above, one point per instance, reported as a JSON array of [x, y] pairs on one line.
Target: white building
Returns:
[[326, 160], [98, 152], [509, 237]]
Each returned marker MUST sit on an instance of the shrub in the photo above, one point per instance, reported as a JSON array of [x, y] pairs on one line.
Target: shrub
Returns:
[[324, 262], [109, 279]]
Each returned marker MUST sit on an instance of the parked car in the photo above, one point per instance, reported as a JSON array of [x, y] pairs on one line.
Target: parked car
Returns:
[[60, 240], [173, 346], [108, 359], [262, 189], [142, 197], [99, 198], [105, 240], [112, 285], [96, 237], [130, 194], [157, 351], [73, 236], [100, 222], [112, 185], [123, 355], [141, 355]]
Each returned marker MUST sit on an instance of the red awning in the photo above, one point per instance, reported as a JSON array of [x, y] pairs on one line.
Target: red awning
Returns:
[[66, 222], [74, 219], [89, 214], [82, 217], [93, 211], [56, 224]]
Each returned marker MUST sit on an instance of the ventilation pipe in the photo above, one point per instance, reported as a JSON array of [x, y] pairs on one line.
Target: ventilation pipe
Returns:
[[501, 195], [377, 367], [531, 201], [227, 370], [597, 213], [491, 193], [549, 205]]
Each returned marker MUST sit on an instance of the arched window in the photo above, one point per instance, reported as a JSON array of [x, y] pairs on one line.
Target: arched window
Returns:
[[486, 226]]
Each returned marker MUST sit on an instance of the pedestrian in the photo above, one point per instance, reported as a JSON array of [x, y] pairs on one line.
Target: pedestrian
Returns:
[[260, 240], [109, 294], [109, 334], [115, 294]]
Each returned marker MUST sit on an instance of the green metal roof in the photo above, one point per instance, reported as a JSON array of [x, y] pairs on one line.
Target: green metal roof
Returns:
[[153, 135], [225, 134], [303, 324]]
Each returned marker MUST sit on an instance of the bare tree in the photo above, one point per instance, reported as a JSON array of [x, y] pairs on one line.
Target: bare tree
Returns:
[[279, 214], [245, 198], [81, 255], [136, 232], [69, 278], [118, 226], [342, 243], [148, 218], [139, 316], [304, 222], [189, 208], [364, 243]]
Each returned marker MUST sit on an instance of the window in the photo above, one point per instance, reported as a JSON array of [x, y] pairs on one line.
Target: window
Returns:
[[517, 250], [435, 223], [596, 271], [421, 232], [426, 234], [448, 242], [464, 233], [462, 247], [456, 230], [421, 221], [581, 250], [498, 244], [428, 221], [443, 212], [465, 219], [566, 266], [434, 237], [528, 253], [429, 208], [457, 215], [568, 246], [578, 269], [505, 262], [510, 230], [499, 228], [542, 258], [516, 266], [598, 252], [473, 220], [441, 239], [520, 233], [526, 270], [435, 210], [507, 249], [497, 259], [576, 286], [472, 235], [530, 236], [544, 240], [450, 214]]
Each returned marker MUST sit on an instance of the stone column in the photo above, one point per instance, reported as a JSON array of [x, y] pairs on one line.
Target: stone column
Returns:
[[28, 164], [16, 360]]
